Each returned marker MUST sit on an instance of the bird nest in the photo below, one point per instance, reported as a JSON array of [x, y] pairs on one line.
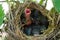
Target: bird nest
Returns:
[[14, 23]]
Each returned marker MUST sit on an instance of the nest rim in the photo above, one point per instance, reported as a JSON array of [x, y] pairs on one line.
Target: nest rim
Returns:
[[44, 11]]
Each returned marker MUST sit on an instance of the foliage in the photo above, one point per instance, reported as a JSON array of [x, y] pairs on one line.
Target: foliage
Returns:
[[41, 2], [56, 4], [1, 14]]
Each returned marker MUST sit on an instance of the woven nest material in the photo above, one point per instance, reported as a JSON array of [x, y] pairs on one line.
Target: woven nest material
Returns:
[[14, 23]]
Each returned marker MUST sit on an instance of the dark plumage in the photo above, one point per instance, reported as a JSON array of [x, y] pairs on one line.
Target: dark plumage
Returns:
[[39, 23]]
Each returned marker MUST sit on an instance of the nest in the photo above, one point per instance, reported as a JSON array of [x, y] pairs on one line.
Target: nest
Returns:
[[14, 23]]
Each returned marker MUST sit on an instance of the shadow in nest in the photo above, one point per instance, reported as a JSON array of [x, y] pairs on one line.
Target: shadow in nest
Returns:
[[39, 23]]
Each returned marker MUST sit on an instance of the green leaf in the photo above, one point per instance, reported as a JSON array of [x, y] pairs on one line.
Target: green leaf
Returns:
[[1, 14], [41, 2], [56, 4], [33, 0]]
